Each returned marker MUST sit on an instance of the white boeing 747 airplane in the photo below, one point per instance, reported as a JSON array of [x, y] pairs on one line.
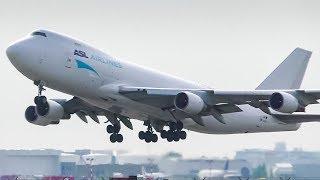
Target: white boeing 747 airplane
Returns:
[[121, 91]]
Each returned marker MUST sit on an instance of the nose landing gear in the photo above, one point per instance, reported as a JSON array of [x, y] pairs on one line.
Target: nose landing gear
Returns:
[[149, 135], [39, 100], [175, 132], [40, 85]]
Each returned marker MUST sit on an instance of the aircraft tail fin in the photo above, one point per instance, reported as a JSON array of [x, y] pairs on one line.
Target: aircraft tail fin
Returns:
[[289, 74]]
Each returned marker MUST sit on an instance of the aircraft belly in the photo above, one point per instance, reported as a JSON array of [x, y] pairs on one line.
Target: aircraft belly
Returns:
[[250, 120]]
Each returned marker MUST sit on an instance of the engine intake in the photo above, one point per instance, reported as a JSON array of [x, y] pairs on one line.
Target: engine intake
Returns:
[[284, 102], [189, 103]]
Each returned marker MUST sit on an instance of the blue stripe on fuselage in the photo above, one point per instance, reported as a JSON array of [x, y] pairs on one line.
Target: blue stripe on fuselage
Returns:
[[82, 65]]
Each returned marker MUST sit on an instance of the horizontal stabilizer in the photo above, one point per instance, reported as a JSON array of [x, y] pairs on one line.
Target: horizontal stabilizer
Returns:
[[297, 118]]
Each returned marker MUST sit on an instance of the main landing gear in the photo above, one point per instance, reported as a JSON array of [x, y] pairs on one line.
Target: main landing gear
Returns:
[[149, 135], [175, 132], [115, 135]]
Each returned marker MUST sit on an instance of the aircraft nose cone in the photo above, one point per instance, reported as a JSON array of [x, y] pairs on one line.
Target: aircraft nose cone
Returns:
[[19, 55], [12, 52]]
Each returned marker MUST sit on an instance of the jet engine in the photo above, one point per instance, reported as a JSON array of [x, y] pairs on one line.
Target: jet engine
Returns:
[[189, 103], [284, 102], [43, 114]]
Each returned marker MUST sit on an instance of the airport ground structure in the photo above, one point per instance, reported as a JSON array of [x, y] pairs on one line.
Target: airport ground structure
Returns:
[[278, 163]]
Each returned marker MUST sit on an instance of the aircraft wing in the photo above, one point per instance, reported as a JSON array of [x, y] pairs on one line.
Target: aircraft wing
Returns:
[[83, 110], [281, 85], [219, 102], [288, 75], [163, 97]]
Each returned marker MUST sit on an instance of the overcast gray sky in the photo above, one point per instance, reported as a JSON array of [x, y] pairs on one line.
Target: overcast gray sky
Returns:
[[225, 44]]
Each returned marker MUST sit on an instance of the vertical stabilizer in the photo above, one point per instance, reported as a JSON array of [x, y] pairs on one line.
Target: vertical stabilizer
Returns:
[[289, 74]]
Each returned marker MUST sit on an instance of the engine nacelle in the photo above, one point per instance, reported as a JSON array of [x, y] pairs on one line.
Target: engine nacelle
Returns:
[[284, 102], [47, 113], [189, 103]]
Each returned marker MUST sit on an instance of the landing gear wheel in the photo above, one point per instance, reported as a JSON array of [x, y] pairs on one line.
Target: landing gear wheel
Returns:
[[176, 136], [42, 105], [183, 135], [142, 135], [170, 133], [38, 100], [154, 138], [175, 133], [148, 137], [110, 129], [119, 138], [170, 138], [113, 138], [163, 134]]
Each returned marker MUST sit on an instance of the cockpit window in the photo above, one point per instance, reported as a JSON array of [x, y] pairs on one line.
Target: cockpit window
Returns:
[[37, 33]]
